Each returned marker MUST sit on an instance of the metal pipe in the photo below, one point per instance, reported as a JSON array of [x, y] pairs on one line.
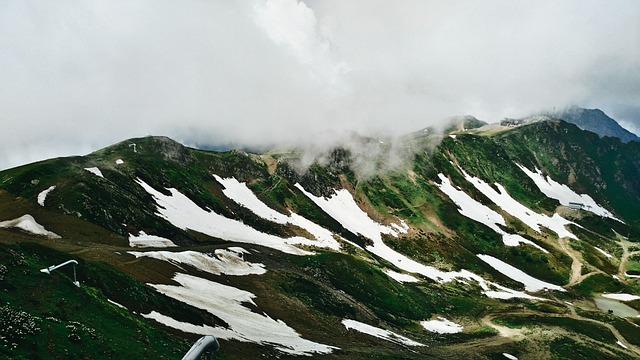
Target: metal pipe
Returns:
[[53, 267], [204, 346]]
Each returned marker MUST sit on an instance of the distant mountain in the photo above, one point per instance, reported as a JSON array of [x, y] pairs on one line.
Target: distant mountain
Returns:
[[474, 244], [595, 120]]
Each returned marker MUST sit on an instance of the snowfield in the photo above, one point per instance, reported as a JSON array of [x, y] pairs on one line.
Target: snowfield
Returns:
[[224, 261], [442, 326], [226, 302], [95, 171], [400, 277], [474, 210], [241, 194], [343, 208], [621, 297], [530, 283], [555, 223], [379, 333], [564, 194], [142, 240], [185, 214], [28, 223], [43, 195]]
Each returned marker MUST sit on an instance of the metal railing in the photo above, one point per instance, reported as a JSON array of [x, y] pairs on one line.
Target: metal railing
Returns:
[[53, 267]]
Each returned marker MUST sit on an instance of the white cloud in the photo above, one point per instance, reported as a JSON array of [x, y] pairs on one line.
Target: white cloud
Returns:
[[75, 76]]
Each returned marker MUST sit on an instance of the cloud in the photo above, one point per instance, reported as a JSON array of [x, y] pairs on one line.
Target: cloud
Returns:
[[76, 76]]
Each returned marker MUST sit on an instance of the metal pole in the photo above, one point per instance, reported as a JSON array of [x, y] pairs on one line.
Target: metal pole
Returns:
[[206, 345]]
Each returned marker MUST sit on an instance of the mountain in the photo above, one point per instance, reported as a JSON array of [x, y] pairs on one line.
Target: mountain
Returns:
[[482, 242], [595, 120]]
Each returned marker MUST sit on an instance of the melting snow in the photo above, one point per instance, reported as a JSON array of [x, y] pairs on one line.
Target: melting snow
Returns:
[[563, 193], [95, 170], [509, 356], [530, 283], [225, 261], [116, 304], [400, 277], [185, 214], [474, 210], [344, 209], [603, 252], [241, 194], [621, 344], [28, 223], [226, 302], [43, 195], [556, 223], [142, 240], [621, 297], [379, 333], [442, 326]]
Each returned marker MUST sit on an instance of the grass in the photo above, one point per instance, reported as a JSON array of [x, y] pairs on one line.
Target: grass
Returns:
[[47, 317], [586, 328]]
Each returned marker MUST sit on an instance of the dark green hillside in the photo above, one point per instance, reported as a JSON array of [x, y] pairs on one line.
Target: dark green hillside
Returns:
[[606, 168], [47, 317], [50, 318]]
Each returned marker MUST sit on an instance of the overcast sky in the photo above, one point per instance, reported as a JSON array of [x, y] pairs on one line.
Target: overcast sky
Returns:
[[76, 76]]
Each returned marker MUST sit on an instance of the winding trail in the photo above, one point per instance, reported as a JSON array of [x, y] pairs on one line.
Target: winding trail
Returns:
[[624, 243], [516, 333], [576, 264]]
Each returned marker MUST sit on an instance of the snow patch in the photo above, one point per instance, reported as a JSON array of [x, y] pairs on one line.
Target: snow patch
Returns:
[[442, 326], [226, 302], [379, 333], [530, 283], [509, 356], [564, 194], [43, 195], [534, 220], [343, 208], [621, 297], [28, 223], [142, 240], [603, 252], [400, 277], [116, 304], [95, 171], [241, 194], [224, 261], [474, 210], [621, 344], [185, 214], [119, 162]]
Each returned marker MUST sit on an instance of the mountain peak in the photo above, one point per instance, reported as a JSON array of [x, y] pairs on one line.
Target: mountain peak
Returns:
[[156, 145], [595, 120]]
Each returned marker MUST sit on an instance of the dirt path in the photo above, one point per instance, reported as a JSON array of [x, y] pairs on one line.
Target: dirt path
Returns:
[[514, 334], [576, 265], [624, 243]]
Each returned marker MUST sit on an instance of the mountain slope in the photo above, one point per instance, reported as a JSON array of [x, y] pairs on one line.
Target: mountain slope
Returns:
[[597, 121], [453, 251]]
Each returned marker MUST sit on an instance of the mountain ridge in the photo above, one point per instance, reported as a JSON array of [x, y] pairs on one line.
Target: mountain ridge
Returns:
[[595, 120], [440, 237]]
